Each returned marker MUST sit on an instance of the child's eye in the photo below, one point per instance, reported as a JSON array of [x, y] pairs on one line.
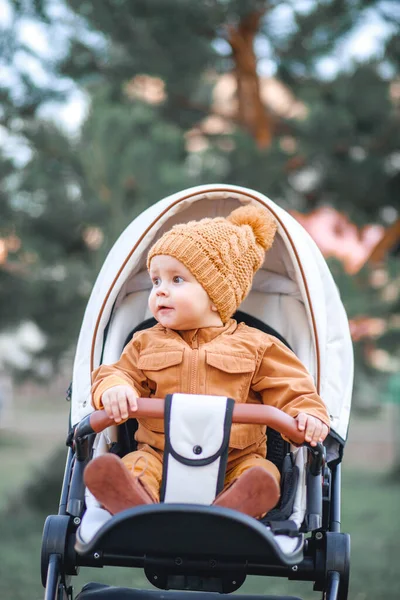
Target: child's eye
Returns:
[[156, 281], [178, 279]]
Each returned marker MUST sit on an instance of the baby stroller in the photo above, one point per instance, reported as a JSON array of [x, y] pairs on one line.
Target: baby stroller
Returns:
[[187, 548]]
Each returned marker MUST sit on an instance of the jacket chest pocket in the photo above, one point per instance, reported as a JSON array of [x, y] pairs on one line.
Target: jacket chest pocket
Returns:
[[229, 375], [162, 370]]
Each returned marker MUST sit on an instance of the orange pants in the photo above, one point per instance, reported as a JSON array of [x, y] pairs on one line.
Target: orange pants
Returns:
[[149, 464]]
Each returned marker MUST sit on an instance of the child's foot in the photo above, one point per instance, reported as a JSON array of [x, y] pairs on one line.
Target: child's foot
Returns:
[[253, 493], [112, 484]]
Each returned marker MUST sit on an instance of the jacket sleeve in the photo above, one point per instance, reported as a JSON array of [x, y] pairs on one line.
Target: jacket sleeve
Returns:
[[282, 381], [123, 372]]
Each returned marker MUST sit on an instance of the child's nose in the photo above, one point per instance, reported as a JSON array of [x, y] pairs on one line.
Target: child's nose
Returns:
[[162, 290]]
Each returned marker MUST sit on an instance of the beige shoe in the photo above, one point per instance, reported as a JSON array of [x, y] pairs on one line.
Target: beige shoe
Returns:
[[112, 484], [254, 493]]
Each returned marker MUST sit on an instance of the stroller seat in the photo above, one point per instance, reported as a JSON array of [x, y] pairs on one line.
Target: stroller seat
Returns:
[[120, 333], [202, 534]]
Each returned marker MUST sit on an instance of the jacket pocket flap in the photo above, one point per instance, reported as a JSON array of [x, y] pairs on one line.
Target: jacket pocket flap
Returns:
[[160, 360], [231, 363]]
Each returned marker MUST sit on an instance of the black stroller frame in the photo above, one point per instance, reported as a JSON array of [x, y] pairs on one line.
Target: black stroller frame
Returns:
[[209, 549]]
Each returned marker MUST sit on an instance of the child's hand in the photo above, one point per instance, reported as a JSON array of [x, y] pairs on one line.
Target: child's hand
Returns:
[[117, 400], [315, 430]]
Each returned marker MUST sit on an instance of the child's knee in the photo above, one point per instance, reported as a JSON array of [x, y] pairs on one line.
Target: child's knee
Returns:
[[148, 468], [253, 461]]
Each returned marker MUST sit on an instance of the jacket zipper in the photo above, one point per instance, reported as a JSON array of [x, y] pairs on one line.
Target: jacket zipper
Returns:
[[194, 365]]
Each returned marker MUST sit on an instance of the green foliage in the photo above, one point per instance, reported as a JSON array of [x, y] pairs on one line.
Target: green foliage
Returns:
[[374, 295], [131, 158], [350, 142], [48, 278], [347, 141]]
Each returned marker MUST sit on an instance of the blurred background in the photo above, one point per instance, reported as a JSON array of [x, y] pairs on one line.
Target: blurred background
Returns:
[[107, 107]]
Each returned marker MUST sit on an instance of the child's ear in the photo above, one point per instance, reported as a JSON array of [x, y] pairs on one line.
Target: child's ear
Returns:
[[214, 308]]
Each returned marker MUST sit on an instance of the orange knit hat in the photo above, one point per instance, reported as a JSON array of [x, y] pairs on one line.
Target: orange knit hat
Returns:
[[222, 254]]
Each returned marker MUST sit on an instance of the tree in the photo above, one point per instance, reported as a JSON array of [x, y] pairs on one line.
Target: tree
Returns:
[[45, 262], [177, 98], [347, 144]]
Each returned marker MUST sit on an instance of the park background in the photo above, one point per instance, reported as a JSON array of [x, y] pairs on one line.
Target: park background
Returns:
[[107, 107]]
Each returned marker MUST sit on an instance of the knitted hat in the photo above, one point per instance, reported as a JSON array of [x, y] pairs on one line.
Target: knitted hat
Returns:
[[222, 254]]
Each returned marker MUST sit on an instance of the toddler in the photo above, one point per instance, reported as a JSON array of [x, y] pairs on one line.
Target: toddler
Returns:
[[201, 271]]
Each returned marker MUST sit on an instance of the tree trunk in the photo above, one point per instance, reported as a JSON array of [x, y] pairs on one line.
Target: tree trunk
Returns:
[[251, 111]]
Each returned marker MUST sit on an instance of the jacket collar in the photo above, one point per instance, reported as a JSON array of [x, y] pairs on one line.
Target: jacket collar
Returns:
[[203, 335]]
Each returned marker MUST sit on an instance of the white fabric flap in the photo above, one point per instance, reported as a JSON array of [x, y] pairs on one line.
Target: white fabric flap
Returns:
[[197, 426], [191, 485]]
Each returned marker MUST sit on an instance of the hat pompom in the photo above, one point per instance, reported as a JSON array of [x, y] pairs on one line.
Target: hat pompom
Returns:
[[260, 220]]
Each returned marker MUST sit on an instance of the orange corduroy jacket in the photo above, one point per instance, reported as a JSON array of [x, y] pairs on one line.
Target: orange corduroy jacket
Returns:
[[235, 360]]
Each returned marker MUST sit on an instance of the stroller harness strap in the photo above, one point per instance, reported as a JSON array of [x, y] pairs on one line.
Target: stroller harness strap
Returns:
[[197, 430]]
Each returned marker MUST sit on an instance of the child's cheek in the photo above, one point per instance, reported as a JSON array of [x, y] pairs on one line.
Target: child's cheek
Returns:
[[151, 301]]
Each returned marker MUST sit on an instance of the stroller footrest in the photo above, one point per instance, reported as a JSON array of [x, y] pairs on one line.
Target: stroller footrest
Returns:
[[98, 591], [193, 531]]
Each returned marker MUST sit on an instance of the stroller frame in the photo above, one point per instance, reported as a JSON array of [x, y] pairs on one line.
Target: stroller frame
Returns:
[[325, 560], [191, 560]]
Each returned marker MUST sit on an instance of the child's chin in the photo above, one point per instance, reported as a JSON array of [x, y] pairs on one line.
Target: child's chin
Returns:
[[168, 322]]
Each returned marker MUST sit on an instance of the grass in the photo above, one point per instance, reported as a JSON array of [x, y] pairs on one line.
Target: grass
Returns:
[[14, 470], [37, 427], [370, 515], [369, 507], [370, 504]]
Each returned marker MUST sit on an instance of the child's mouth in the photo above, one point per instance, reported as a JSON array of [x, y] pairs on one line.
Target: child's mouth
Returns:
[[164, 309]]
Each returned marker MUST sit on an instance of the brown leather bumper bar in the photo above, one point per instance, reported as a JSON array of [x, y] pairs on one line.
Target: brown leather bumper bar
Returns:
[[242, 413]]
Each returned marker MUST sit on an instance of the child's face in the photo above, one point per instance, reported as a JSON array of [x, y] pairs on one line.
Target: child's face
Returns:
[[177, 299]]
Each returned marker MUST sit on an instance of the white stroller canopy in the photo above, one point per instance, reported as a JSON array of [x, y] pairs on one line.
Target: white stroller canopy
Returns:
[[293, 292]]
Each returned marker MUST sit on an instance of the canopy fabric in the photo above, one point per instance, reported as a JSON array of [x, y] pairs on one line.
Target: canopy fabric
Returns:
[[294, 260]]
